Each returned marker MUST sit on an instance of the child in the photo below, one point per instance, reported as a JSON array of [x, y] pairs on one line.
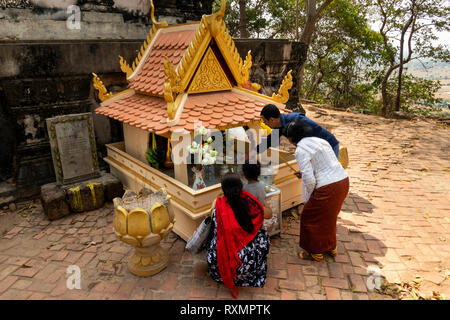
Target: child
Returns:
[[255, 187]]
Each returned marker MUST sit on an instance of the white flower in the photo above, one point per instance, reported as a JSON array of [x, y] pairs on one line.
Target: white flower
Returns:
[[193, 148], [202, 130], [212, 160], [206, 159], [213, 153], [205, 149], [209, 141]]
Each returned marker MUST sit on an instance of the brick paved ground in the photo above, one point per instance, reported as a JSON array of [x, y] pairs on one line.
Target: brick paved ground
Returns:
[[397, 216]]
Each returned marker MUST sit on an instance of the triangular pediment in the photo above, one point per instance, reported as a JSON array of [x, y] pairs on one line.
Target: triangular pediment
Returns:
[[210, 75]]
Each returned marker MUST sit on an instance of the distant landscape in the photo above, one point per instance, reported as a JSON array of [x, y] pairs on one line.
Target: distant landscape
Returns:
[[433, 71]]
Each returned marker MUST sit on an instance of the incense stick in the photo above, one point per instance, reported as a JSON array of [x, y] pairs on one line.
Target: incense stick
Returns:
[[287, 163]]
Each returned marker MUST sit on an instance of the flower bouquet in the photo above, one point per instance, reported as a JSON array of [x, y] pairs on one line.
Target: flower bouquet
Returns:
[[205, 155]]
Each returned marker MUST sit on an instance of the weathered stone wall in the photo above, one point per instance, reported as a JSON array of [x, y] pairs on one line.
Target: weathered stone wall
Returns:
[[46, 71], [42, 79], [99, 19]]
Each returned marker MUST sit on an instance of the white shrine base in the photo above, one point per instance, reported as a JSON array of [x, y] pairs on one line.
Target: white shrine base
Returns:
[[189, 206]]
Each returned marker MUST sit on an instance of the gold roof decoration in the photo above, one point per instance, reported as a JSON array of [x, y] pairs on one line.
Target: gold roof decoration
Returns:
[[124, 66], [189, 62], [283, 93], [103, 93], [209, 76], [171, 87]]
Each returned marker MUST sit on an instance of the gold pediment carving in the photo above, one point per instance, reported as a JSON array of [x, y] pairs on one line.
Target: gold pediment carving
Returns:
[[210, 76]]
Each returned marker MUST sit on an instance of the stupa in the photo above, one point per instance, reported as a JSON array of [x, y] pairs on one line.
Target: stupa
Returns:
[[186, 73]]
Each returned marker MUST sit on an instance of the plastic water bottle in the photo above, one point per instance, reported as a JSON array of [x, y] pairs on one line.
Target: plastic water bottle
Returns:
[[267, 175]]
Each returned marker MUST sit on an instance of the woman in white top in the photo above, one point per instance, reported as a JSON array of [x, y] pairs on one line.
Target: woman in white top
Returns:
[[325, 186]]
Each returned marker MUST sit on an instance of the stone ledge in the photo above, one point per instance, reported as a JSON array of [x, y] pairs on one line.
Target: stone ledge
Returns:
[[59, 201]]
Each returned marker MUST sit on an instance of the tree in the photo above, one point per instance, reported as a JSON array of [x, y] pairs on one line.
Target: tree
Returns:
[[408, 29], [314, 11], [342, 56], [243, 19]]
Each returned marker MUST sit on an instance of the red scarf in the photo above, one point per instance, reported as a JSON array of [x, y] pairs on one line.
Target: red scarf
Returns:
[[231, 238]]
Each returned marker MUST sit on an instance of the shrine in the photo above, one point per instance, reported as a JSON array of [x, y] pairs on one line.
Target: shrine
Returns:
[[183, 74]]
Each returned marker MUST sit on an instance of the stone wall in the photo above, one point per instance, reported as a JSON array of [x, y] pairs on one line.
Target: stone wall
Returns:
[[46, 71], [42, 79], [99, 19]]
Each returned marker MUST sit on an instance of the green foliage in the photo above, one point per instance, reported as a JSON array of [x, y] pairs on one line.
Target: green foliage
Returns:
[[154, 157], [341, 57], [418, 91], [265, 18], [354, 58]]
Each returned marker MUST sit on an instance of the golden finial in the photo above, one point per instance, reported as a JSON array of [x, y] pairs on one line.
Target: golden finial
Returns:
[[103, 93], [152, 16], [283, 92], [214, 20], [221, 11], [125, 67]]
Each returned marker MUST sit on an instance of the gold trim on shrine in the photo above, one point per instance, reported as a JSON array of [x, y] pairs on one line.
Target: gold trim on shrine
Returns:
[[283, 93], [209, 76], [103, 93]]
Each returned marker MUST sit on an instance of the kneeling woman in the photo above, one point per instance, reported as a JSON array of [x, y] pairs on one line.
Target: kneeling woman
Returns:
[[325, 186], [237, 253]]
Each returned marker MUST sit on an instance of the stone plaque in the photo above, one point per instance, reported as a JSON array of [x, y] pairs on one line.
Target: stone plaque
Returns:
[[72, 141]]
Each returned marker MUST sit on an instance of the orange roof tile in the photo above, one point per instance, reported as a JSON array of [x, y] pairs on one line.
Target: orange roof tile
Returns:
[[150, 113], [171, 44]]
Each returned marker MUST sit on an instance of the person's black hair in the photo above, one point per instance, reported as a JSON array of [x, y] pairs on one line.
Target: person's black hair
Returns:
[[232, 189], [251, 171], [297, 130], [270, 111]]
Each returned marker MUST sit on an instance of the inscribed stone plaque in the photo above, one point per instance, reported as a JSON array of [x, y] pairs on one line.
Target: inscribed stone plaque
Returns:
[[72, 140]]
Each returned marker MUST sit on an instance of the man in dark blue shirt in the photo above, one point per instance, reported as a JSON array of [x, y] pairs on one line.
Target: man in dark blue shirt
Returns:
[[275, 120]]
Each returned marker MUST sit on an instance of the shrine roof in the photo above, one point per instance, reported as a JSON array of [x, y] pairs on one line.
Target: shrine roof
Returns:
[[215, 110], [169, 42], [188, 72]]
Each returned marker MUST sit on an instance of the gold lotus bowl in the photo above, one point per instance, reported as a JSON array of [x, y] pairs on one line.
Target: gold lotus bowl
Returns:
[[142, 221]]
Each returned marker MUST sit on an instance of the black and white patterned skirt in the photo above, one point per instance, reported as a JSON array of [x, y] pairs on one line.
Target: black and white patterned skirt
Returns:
[[252, 272]]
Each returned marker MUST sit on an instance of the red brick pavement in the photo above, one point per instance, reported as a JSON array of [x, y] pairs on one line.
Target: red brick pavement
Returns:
[[396, 217]]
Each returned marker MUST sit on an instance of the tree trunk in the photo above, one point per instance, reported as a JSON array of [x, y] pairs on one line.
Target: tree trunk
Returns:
[[242, 19], [386, 107], [401, 62], [399, 82], [312, 16]]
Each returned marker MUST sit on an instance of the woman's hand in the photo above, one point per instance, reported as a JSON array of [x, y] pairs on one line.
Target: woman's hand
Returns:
[[298, 174]]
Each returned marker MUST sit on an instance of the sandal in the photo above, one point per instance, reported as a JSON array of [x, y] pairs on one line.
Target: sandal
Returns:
[[305, 255], [333, 252]]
